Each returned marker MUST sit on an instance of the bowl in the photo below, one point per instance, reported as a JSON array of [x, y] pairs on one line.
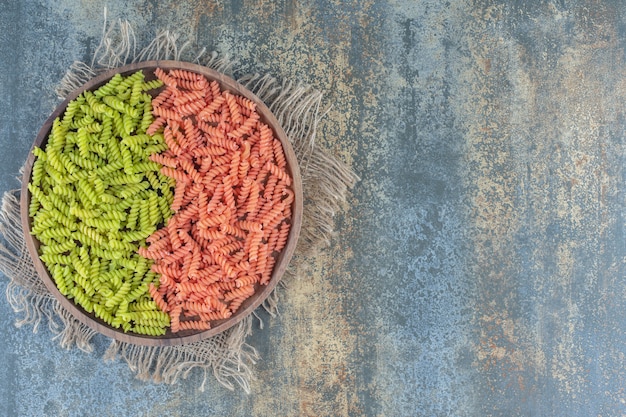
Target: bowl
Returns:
[[261, 291]]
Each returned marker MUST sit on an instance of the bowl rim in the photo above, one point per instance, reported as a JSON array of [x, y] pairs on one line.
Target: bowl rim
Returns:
[[262, 292]]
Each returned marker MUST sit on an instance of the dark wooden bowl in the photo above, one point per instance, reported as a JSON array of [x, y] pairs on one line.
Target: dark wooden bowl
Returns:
[[251, 303]]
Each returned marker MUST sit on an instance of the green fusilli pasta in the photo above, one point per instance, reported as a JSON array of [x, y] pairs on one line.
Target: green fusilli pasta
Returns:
[[96, 196], [148, 330]]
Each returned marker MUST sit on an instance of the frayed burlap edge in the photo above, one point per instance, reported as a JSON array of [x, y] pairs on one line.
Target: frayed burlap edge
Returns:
[[326, 181]]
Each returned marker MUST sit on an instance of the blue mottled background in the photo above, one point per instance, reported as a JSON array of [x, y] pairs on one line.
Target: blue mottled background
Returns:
[[478, 266]]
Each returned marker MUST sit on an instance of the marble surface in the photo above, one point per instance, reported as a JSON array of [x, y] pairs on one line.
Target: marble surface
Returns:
[[478, 267]]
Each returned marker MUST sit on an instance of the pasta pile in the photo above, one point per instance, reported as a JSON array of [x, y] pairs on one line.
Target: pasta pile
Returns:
[[232, 201], [96, 196], [164, 212]]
